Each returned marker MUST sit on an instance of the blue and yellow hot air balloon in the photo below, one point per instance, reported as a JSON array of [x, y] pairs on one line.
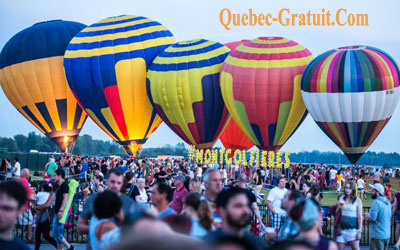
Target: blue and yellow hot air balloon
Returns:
[[184, 87], [106, 65], [32, 77]]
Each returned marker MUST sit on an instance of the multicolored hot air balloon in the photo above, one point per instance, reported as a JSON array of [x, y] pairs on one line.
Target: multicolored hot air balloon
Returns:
[[32, 77], [233, 137], [260, 84], [106, 65], [184, 87], [351, 93]]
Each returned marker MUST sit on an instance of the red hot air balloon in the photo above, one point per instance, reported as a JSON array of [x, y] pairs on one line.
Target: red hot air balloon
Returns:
[[233, 136]]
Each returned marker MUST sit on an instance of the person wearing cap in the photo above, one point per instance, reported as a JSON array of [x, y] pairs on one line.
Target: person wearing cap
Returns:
[[308, 216], [179, 194], [379, 218]]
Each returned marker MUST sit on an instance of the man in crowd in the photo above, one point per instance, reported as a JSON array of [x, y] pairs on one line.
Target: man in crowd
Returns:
[[234, 209], [114, 182], [61, 202], [377, 176], [332, 177], [26, 219], [179, 194], [242, 183], [50, 167], [13, 198], [274, 201], [213, 183], [290, 228], [161, 196], [379, 218]]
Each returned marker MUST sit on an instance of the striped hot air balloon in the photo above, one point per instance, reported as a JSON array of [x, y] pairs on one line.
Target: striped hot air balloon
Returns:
[[351, 93], [233, 137], [32, 77], [260, 83], [106, 66], [184, 87]]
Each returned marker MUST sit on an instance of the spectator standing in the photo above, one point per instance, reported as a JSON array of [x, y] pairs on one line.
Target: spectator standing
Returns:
[[274, 201], [379, 219], [26, 219], [161, 196], [17, 168], [179, 193], [213, 184]]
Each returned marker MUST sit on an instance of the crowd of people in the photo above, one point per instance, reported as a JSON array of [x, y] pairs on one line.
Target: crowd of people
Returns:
[[176, 203]]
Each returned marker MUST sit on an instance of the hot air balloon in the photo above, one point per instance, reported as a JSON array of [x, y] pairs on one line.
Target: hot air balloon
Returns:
[[233, 137], [106, 66], [351, 93], [32, 78], [184, 87], [260, 84]]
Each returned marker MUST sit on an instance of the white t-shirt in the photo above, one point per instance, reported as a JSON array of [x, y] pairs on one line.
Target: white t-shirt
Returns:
[[17, 169], [199, 171], [332, 174], [275, 196], [377, 176], [143, 196], [360, 183], [42, 197]]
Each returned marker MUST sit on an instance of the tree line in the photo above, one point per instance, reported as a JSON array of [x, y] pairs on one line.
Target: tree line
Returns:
[[86, 145]]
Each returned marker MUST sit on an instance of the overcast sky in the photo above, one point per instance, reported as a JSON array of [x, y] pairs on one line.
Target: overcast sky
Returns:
[[200, 19]]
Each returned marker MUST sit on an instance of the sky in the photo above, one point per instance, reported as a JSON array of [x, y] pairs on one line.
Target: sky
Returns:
[[189, 19]]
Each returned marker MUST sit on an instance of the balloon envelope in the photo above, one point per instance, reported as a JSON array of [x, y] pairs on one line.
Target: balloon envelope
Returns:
[[106, 66], [233, 137], [32, 77], [184, 87], [351, 93], [260, 83]]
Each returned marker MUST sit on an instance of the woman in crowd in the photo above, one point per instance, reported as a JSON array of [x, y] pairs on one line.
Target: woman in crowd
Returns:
[[350, 207], [200, 212], [142, 196]]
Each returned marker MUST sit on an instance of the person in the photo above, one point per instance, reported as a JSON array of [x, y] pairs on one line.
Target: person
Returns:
[[291, 244], [44, 199], [179, 193], [315, 193], [142, 197], [200, 213], [13, 198], [274, 201], [84, 168], [103, 232], [306, 189], [361, 187], [351, 218], [213, 184], [17, 168], [386, 179], [57, 231], [388, 192], [195, 185], [290, 228], [379, 218], [242, 183], [161, 196], [234, 208], [26, 219], [377, 176], [307, 213], [50, 167], [339, 177], [114, 182], [396, 215], [332, 177]]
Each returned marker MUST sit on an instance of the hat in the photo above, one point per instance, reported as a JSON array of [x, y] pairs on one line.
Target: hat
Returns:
[[180, 177], [378, 187]]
